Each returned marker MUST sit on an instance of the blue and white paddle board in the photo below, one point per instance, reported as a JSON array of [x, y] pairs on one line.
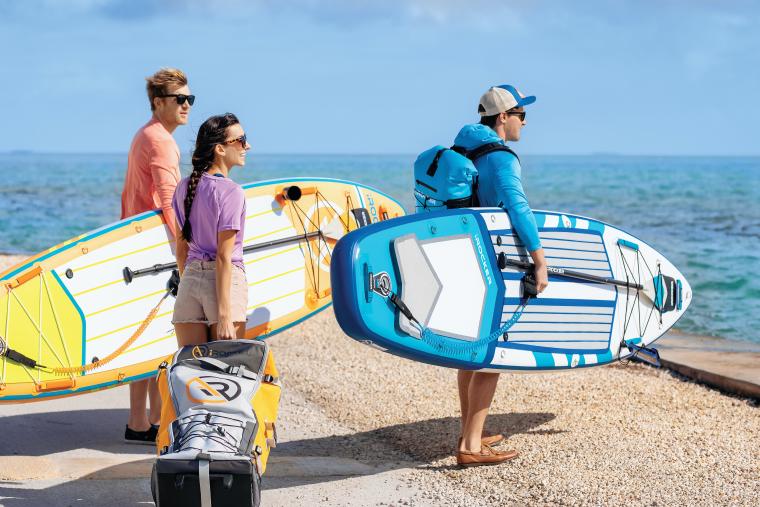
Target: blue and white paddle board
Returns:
[[458, 276]]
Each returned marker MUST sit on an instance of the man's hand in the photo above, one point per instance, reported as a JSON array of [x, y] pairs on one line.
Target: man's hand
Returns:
[[542, 275], [542, 278]]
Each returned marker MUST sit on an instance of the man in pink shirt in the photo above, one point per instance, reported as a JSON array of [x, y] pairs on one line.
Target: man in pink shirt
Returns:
[[152, 176]]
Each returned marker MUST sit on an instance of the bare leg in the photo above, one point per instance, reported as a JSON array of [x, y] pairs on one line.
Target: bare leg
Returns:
[[239, 331], [480, 396], [191, 333], [463, 383], [154, 397], [138, 417]]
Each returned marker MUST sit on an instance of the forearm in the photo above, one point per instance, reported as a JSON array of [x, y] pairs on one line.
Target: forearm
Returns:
[[223, 285], [524, 223], [538, 257], [181, 251], [170, 218]]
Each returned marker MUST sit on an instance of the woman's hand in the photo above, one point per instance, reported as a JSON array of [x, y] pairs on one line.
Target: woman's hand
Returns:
[[225, 330]]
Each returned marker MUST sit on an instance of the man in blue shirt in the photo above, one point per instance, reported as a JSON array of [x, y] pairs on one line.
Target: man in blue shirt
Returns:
[[502, 117]]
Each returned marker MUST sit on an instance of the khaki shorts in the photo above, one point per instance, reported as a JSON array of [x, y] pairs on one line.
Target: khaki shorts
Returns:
[[196, 298]]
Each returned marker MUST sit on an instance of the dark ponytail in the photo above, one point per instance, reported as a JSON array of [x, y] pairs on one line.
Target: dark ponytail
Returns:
[[212, 132]]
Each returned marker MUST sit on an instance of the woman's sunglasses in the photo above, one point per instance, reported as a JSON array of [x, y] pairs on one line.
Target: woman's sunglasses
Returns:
[[181, 98], [242, 140]]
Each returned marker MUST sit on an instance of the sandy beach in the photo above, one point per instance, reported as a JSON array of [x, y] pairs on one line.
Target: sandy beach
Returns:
[[362, 427]]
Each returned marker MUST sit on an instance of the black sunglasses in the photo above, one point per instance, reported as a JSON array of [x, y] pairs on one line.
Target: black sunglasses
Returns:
[[520, 114], [242, 140], [181, 98]]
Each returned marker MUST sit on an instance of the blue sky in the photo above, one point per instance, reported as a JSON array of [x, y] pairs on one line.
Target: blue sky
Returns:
[[671, 77]]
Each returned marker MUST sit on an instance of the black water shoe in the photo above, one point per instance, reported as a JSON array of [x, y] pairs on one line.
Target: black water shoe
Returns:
[[147, 437]]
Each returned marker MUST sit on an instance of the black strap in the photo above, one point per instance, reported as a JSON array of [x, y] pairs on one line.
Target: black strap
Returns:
[[481, 151], [398, 303], [434, 164]]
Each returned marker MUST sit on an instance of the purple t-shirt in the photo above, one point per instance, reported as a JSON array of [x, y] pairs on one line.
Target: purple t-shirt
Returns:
[[219, 205]]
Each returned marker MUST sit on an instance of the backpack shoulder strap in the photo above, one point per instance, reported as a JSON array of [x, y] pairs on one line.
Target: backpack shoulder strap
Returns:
[[481, 151]]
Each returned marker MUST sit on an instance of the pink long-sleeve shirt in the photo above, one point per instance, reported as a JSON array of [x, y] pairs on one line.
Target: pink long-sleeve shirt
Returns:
[[152, 173]]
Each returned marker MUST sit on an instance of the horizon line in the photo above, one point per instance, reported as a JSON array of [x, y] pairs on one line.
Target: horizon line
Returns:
[[400, 154]]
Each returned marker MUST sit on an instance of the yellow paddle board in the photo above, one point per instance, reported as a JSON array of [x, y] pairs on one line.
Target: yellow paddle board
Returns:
[[82, 315]]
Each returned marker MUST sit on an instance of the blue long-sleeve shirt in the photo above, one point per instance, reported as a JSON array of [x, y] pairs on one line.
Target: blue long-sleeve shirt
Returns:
[[499, 182]]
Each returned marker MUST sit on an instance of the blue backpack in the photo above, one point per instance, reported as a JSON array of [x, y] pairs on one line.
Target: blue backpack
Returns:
[[447, 177]]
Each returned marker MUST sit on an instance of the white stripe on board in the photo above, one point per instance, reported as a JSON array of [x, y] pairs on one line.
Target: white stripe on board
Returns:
[[574, 263], [513, 357], [564, 317], [567, 290], [558, 337], [570, 236], [496, 220], [564, 309], [552, 243], [581, 223], [564, 345], [560, 359], [560, 327], [551, 221], [554, 252], [590, 358]]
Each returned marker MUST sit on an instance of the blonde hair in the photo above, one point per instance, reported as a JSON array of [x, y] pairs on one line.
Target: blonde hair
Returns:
[[159, 83]]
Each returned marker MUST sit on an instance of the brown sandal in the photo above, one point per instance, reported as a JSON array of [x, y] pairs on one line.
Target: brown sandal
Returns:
[[487, 456]]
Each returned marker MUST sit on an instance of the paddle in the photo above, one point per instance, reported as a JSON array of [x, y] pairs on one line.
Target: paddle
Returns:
[[332, 230], [503, 262]]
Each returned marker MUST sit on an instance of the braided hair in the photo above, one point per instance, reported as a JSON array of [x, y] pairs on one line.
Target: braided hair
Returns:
[[212, 132]]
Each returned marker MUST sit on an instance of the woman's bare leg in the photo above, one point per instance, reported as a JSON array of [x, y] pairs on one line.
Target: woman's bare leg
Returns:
[[193, 333], [154, 398], [138, 415]]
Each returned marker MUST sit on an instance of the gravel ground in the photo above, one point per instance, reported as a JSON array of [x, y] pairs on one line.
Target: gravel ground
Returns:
[[610, 435]]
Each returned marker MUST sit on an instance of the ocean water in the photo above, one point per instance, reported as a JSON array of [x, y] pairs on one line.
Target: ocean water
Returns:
[[702, 213]]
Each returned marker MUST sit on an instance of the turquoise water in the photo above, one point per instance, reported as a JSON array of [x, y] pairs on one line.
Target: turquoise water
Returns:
[[702, 213]]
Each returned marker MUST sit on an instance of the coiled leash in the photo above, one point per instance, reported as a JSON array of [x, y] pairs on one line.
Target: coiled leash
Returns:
[[17, 357], [454, 346]]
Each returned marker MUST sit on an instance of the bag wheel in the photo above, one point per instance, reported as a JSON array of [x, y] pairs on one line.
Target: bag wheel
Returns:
[[154, 484]]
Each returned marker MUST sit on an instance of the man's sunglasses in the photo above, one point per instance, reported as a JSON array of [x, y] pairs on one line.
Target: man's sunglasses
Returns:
[[181, 98], [242, 140], [520, 114]]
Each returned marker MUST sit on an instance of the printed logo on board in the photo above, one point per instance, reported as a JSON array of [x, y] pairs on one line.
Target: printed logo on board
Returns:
[[483, 260], [372, 208]]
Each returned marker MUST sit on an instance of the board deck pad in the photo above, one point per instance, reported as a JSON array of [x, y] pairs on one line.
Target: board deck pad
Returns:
[[467, 285], [71, 305]]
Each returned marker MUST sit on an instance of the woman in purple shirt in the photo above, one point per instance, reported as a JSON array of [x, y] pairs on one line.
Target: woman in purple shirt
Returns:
[[212, 298]]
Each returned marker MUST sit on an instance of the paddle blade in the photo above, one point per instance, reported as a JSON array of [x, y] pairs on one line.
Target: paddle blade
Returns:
[[334, 229]]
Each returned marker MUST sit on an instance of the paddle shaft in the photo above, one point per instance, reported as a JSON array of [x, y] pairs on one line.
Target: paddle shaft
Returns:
[[129, 275], [575, 274]]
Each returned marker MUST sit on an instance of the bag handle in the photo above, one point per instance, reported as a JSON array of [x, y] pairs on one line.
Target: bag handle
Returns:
[[434, 164], [216, 364]]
